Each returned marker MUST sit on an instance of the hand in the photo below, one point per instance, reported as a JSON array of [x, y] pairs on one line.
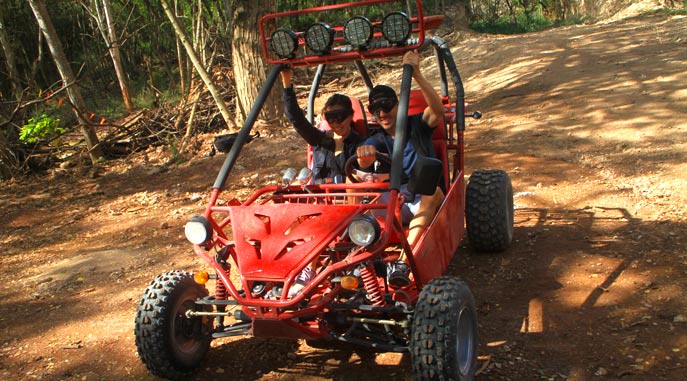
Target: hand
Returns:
[[366, 155], [286, 75], [412, 57]]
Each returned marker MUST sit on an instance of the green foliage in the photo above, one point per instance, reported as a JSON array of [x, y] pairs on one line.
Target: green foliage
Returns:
[[507, 25], [572, 21], [677, 11], [39, 128]]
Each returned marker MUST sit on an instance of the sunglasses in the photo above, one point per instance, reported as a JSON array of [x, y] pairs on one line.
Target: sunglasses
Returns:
[[337, 116], [385, 105]]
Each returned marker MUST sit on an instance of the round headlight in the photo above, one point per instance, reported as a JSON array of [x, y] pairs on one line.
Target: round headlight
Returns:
[[198, 230], [319, 37], [358, 31], [284, 42], [364, 230], [396, 27]]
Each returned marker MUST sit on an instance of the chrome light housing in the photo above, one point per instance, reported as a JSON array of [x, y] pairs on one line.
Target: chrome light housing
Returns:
[[284, 42], [364, 230], [319, 37], [358, 31], [396, 27], [198, 230]]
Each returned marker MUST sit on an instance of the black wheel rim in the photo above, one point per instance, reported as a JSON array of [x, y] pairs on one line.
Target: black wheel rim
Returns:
[[185, 335]]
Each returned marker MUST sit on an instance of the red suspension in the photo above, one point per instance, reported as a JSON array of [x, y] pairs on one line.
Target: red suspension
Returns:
[[220, 290], [374, 292]]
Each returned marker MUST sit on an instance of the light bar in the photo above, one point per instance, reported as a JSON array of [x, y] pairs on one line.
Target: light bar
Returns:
[[284, 42], [358, 31], [319, 37], [396, 27]]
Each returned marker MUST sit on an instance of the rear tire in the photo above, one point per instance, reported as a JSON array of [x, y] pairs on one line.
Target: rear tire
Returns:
[[170, 344], [444, 332], [489, 210]]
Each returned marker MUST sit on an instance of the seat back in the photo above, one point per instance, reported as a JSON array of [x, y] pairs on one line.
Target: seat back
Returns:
[[416, 105]]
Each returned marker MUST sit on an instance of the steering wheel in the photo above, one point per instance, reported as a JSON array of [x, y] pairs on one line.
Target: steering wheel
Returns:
[[352, 163]]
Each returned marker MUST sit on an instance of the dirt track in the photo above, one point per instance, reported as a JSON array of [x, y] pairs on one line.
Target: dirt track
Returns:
[[590, 123]]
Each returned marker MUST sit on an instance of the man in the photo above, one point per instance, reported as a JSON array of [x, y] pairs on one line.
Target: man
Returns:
[[383, 104]]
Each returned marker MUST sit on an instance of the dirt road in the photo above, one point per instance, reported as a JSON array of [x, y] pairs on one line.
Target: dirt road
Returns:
[[589, 121]]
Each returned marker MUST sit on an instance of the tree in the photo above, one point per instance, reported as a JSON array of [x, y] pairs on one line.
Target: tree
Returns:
[[102, 13], [68, 79], [10, 59], [250, 70], [181, 34]]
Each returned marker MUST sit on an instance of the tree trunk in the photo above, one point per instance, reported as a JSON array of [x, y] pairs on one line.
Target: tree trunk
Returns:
[[8, 162], [250, 70], [180, 60], [181, 34], [113, 43], [68, 79], [10, 59]]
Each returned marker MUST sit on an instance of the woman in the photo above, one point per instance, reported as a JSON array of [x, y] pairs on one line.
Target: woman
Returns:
[[331, 148]]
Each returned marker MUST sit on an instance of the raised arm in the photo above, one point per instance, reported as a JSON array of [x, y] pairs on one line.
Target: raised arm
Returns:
[[435, 108], [295, 115]]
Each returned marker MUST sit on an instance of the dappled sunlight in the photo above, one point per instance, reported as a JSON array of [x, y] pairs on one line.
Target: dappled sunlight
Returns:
[[589, 96]]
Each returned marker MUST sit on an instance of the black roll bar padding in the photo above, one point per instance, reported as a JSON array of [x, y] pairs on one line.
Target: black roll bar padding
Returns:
[[313, 92], [247, 126], [447, 58], [401, 128], [364, 74], [442, 71]]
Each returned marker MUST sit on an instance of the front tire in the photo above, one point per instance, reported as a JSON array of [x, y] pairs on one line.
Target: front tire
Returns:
[[170, 344], [444, 332], [489, 210]]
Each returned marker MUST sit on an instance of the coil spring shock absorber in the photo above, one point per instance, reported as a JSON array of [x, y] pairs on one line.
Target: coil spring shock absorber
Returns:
[[220, 294], [220, 288], [374, 292]]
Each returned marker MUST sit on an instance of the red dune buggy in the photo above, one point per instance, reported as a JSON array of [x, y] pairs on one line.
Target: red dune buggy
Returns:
[[257, 247]]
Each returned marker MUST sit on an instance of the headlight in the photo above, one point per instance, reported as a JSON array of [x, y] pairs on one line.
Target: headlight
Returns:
[[198, 230], [284, 42], [396, 27], [364, 230], [358, 31], [319, 37]]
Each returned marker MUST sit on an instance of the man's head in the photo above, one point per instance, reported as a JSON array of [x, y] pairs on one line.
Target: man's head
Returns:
[[383, 104]]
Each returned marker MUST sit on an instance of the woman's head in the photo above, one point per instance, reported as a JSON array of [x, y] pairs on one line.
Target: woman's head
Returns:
[[338, 112]]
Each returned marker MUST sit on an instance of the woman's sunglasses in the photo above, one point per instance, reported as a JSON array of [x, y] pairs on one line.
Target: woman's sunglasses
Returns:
[[337, 116], [385, 105]]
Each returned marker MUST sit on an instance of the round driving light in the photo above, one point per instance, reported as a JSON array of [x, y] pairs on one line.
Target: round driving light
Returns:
[[319, 37], [358, 31], [201, 276], [284, 42], [198, 230], [349, 282], [396, 27], [364, 230]]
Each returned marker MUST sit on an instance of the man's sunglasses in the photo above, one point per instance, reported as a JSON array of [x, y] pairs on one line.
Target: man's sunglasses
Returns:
[[337, 116], [385, 105]]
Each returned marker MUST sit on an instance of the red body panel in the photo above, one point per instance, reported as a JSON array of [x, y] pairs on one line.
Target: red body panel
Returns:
[[436, 248], [277, 239]]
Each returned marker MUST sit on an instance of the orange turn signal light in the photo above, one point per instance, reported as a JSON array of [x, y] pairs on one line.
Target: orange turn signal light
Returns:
[[201, 276], [349, 282]]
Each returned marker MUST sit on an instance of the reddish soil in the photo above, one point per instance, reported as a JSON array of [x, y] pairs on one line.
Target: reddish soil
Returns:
[[590, 123]]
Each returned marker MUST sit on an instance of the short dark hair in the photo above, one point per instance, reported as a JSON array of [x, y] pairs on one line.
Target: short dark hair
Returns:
[[339, 100], [382, 92]]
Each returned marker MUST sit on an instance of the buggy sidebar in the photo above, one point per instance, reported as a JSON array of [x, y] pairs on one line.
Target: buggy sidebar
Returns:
[[255, 248]]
